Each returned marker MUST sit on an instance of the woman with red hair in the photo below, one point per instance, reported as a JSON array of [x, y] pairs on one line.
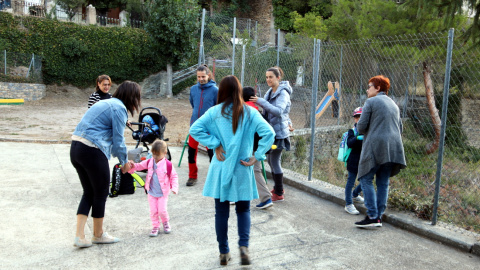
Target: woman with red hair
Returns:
[[382, 155]]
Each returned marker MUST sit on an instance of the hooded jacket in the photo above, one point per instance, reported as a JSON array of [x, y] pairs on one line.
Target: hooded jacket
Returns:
[[276, 107], [202, 98]]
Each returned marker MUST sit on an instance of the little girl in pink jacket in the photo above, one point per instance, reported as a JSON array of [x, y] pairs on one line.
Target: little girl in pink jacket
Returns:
[[161, 178]]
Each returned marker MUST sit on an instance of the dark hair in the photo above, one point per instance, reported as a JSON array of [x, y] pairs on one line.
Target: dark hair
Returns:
[[230, 92], [277, 71], [381, 81], [130, 94], [207, 71], [100, 79], [248, 92]]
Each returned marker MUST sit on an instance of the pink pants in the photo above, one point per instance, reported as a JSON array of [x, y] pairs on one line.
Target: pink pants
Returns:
[[158, 208]]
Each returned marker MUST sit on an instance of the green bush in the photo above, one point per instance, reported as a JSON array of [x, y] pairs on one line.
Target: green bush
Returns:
[[77, 54]]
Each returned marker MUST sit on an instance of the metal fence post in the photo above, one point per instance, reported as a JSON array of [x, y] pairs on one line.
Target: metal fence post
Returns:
[[201, 53], [256, 34], [278, 47], [405, 104], [30, 66], [446, 91], [5, 60], [234, 43], [243, 65], [316, 59], [340, 86]]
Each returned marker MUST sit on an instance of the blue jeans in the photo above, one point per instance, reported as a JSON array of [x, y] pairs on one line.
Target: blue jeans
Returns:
[[376, 203], [222, 213], [348, 188]]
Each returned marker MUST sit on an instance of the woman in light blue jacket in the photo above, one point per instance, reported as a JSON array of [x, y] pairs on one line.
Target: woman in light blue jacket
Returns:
[[229, 129], [98, 136], [276, 107]]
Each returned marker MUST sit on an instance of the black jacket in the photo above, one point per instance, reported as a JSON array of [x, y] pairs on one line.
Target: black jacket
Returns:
[[356, 145]]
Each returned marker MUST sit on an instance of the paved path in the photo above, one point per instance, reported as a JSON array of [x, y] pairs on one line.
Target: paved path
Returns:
[[40, 192]]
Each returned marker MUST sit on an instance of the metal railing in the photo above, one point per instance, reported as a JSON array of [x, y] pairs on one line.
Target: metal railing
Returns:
[[20, 67]]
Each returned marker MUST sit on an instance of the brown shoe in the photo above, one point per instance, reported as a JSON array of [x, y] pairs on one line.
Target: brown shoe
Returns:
[[244, 256], [191, 182], [224, 258]]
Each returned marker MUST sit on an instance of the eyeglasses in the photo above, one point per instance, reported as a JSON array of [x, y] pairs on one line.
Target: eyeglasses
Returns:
[[370, 85], [356, 116]]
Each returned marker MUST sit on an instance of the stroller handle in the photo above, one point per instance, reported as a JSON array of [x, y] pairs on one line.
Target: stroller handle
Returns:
[[151, 108]]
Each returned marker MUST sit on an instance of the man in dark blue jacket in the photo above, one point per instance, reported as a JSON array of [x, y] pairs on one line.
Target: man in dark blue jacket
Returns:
[[203, 95]]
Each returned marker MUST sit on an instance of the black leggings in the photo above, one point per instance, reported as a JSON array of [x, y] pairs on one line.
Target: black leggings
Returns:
[[94, 173]]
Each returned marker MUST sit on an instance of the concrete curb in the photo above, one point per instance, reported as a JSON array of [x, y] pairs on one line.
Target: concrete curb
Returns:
[[404, 221]]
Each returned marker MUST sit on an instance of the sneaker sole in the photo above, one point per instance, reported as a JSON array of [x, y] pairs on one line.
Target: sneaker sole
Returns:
[[265, 206], [109, 242], [82, 245], [373, 225], [353, 213]]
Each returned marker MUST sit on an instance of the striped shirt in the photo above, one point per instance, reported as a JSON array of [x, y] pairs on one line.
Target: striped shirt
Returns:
[[96, 97]]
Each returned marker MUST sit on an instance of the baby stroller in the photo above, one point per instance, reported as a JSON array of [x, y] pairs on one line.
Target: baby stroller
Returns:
[[151, 126]]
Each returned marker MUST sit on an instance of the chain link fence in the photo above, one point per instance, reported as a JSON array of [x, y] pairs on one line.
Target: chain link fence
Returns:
[[20, 67], [416, 66]]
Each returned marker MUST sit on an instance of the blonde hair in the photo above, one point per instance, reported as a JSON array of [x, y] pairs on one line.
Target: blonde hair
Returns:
[[159, 147]]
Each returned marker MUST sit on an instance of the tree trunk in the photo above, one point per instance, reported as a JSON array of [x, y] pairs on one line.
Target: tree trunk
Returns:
[[433, 146], [169, 92]]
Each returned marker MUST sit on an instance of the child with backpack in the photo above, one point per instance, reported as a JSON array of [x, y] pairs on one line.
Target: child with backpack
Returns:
[[354, 142], [161, 178], [262, 188]]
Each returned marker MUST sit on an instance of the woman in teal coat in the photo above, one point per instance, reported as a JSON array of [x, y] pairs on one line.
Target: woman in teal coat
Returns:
[[229, 128]]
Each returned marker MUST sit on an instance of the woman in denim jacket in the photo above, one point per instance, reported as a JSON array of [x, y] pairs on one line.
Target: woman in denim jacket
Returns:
[[98, 136]]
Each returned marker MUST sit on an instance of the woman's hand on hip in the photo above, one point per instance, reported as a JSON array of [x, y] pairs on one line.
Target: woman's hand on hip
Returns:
[[250, 161], [219, 151]]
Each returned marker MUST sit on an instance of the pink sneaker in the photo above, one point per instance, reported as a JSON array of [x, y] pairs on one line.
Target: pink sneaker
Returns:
[[154, 232], [166, 227]]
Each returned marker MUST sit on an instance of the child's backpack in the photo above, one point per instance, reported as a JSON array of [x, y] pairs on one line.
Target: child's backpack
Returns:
[[121, 183], [344, 150]]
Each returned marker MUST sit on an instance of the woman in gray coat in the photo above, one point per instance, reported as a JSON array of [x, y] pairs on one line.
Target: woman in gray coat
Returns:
[[382, 155], [276, 107]]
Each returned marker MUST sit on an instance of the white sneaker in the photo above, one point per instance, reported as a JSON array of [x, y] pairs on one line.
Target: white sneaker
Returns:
[[105, 239], [358, 199], [351, 209]]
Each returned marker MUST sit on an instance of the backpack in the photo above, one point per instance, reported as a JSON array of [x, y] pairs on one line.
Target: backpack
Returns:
[[121, 183], [344, 150], [125, 183]]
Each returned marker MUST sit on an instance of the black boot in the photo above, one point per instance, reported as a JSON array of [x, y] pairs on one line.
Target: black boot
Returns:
[[278, 188], [273, 178]]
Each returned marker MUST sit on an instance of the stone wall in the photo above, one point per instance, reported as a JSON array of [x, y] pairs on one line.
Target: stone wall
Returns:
[[327, 140], [262, 11], [471, 121], [27, 91]]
